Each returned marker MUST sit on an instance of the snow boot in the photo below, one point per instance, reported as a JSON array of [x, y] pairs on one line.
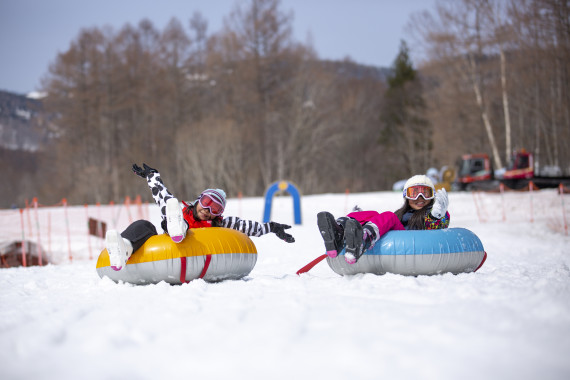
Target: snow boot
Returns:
[[331, 232], [353, 236], [175, 223], [369, 234], [119, 249]]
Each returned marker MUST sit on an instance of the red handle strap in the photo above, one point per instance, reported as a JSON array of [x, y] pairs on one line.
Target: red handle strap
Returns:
[[183, 268], [310, 265], [206, 265]]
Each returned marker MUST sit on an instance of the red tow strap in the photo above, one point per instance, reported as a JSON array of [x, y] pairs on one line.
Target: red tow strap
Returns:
[[310, 265], [183, 268]]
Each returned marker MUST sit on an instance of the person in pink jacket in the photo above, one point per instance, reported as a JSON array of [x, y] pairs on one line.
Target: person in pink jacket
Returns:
[[423, 209]]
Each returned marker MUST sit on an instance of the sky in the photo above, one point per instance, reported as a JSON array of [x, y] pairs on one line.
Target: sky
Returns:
[[34, 32]]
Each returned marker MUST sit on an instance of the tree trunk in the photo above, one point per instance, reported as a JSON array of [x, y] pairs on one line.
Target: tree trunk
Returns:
[[508, 145], [488, 127]]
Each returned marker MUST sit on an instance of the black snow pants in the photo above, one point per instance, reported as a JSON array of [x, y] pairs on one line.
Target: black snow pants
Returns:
[[139, 232]]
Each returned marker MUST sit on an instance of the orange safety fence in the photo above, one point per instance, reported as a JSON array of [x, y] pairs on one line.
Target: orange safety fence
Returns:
[[40, 234], [502, 188], [531, 205]]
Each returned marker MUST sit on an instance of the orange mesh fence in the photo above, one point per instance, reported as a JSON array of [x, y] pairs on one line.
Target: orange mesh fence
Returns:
[[61, 233], [546, 206]]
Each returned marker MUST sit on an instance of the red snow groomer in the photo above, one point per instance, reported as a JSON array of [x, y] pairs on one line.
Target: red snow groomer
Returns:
[[476, 173], [474, 170]]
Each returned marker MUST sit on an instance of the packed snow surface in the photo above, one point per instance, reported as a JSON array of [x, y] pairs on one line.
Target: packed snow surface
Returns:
[[509, 320]]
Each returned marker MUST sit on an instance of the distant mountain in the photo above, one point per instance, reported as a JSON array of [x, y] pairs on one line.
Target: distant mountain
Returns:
[[24, 125], [350, 69]]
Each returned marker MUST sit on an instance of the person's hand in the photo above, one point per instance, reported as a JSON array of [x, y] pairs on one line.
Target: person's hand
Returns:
[[143, 172], [440, 205], [279, 230]]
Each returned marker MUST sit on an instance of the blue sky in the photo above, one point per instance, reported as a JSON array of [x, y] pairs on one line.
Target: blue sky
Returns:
[[33, 32]]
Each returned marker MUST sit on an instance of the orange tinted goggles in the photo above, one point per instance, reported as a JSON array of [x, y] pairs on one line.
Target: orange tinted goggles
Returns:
[[414, 192]]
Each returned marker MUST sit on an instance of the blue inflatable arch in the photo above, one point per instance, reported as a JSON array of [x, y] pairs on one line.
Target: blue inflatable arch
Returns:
[[287, 187]]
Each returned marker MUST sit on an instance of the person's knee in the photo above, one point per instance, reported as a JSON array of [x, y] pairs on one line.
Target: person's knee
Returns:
[[389, 215], [139, 229]]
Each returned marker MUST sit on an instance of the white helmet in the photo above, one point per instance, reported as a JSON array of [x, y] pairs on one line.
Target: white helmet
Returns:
[[419, 179]]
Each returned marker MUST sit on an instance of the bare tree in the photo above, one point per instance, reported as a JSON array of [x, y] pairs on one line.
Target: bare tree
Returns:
[[489, 44], [261, 36], [237, 109], [456, 38], [496, 14]]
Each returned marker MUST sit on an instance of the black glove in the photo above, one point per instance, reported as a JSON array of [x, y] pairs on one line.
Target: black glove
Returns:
[[143, 172], [279, 230]]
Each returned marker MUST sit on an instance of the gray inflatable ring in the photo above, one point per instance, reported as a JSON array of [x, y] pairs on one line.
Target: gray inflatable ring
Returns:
[[413, 253]]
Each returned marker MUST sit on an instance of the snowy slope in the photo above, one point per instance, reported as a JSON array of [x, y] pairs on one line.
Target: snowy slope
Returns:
[[510, 320]]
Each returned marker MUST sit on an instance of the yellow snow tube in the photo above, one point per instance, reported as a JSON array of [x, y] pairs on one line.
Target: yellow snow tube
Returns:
[[214, 254]]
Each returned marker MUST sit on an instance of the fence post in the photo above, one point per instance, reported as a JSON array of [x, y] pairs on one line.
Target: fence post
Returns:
[[99, 225], [30, 226], [39, 247], [88, 232], [64, 201], [138, 202], [23, 238]]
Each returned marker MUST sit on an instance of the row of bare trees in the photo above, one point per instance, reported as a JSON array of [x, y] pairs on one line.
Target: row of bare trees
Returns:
[[501, 77], [237, 109], [249, 105]]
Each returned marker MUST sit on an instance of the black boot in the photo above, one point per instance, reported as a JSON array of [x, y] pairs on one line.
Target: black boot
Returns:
[[354, 243], [332, 233], [369, 235]]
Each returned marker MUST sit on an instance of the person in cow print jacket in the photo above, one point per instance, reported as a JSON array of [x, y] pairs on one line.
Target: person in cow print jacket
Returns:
[[205, 211]]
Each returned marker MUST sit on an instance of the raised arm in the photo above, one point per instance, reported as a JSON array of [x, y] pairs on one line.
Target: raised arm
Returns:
[[159, 192], [252, 228]]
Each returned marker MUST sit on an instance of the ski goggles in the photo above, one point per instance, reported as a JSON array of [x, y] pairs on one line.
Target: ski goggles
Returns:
[[414, 192], [212, 204]]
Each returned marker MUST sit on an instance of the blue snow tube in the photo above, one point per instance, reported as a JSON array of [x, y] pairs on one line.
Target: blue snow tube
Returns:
[[423, 252]]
